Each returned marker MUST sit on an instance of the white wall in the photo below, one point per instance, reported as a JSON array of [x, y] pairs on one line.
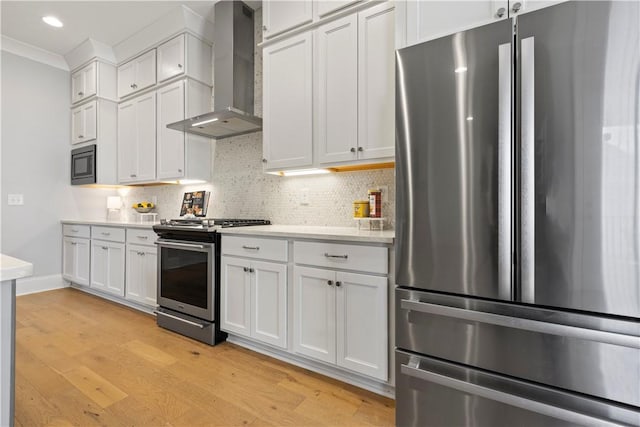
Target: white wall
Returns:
[[34, 156]]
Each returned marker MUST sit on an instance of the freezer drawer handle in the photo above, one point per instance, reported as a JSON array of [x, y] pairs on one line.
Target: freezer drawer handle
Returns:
[[506, 398], [180, 319], [524, 324]]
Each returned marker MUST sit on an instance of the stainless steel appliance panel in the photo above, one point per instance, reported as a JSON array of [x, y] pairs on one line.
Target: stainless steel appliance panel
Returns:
[[431, 392], [449, 126], [586, 354], [580, 156]]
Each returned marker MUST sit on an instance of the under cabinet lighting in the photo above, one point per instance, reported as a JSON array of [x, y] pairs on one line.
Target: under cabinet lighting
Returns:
[[204, 122], [53, 21], [301, 172]]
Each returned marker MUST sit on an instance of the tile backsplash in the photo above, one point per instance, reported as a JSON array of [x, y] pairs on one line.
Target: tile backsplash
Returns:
[[240, 189]]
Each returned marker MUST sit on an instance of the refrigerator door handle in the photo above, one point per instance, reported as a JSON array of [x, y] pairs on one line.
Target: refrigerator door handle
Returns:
[[523, 323], [504, 174], [527, 173], [413, 370]]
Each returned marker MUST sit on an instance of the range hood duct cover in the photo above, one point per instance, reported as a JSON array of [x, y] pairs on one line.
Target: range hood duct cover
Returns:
[[233, 76]]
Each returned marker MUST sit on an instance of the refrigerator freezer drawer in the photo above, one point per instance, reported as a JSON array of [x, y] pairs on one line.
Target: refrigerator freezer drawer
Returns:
[[431, 392], [587, 354]]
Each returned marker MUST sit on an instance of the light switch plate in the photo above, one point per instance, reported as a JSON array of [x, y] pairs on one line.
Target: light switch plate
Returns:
[[15, 199]]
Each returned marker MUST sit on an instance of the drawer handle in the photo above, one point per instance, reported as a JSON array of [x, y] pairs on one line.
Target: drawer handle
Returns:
[[105, 247], [143, 237], [336, 256], [75, 230], [254, 248], [140, 253], [104, 233], [74, 243]]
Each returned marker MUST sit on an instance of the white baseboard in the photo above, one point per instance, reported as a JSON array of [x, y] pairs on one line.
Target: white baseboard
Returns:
[[32, 285], [117, 299], [376, 386]]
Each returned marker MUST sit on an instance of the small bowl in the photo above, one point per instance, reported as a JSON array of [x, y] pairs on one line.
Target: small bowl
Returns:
[[143, 210]]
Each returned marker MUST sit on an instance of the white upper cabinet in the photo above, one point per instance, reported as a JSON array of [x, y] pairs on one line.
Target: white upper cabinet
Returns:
[[288, 102], [324, 8], [171, 58], [376, 82], [337, 115], [84, 122], [185, 55], [421, 21], [96, 78], [137, 74], [279, 15], [137, 139]]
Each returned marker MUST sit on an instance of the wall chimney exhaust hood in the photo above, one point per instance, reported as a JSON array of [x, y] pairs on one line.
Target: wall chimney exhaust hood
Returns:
[[233, 76]]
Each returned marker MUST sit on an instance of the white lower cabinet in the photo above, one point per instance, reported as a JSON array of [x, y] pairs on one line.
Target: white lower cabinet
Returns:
[[254, 299], [107, 266], [75, 260], [142, 274], [341, 318]]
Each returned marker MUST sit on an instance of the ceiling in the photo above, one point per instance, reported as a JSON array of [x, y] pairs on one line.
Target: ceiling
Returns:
[[108, 22]]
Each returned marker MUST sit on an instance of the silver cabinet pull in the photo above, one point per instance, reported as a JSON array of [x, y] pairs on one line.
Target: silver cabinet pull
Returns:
[[522, 323], [360, 149], [338, 284], [141, 253], [74, 243], [516, 6], [264, 28], [353, 150], [336, 256], [75, 230], [245, 269], [179, 65], [143, 237], [251, 270], [568, 415], [131, 85], [80, 93], [133, 175], [329, 282], [105, 247], [80, 136], [179, 170], [180, 319], [253, 248], [500, 13], [264, 160], [105, 233]]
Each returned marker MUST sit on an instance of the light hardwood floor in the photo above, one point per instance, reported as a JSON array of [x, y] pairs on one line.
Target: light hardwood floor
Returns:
[[81, 361]]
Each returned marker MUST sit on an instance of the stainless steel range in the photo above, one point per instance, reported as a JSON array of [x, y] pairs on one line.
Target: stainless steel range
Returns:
[[189, 275]]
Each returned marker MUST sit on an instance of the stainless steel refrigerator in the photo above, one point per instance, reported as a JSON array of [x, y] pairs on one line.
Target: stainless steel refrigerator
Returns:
[[518, 221]]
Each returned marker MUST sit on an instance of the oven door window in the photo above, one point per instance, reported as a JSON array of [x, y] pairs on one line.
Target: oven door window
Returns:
[[184, 276], [83, 165]]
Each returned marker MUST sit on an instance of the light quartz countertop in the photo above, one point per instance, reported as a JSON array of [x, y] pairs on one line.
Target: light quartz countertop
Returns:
[[350, 234], [129, 224], [14, 268]]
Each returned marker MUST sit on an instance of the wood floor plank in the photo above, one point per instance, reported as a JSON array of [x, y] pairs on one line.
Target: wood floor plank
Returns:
[[83, 361]]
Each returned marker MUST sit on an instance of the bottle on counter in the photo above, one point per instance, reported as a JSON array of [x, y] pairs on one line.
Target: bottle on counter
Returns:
[[375, 203]]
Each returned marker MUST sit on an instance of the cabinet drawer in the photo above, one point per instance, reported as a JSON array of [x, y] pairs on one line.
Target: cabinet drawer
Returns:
[[371, 259], [75, 230], [108, 233], [253, 247], [141, 236]]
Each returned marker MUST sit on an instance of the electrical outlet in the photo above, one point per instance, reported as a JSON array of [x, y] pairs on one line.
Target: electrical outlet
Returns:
[[304, 197], [15, 200]]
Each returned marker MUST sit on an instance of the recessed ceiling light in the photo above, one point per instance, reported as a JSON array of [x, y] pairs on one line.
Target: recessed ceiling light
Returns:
[[52, 20]]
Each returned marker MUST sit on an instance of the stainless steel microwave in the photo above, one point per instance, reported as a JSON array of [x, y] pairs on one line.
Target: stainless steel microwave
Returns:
[[83, 165]]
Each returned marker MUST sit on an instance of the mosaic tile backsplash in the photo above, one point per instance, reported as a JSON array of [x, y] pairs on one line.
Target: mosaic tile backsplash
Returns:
[[240, 189]]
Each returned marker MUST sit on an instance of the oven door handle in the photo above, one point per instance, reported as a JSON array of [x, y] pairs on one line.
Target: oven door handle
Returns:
[[180, 245]]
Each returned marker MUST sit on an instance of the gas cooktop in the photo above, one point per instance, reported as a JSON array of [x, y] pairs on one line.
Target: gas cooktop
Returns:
[[207, 224]]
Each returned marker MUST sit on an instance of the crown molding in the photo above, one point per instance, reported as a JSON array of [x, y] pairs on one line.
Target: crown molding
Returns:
[[34, 53]]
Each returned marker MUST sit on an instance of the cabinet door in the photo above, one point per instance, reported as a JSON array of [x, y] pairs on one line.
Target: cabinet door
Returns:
[[90, 119], [77, 86], [376, 82], [145, 70], [269, 302], [99, 265], [127, 145], [338, 90], [146, 136], [126, 78], [287, 134], [75, 260], [142, 274], [280, 16], [170, 142], [426, 20], [519, 7], [77, 125], [325, 8], [314, 313], [89, 80], [171, 58], [235, 294], [361, 315]]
